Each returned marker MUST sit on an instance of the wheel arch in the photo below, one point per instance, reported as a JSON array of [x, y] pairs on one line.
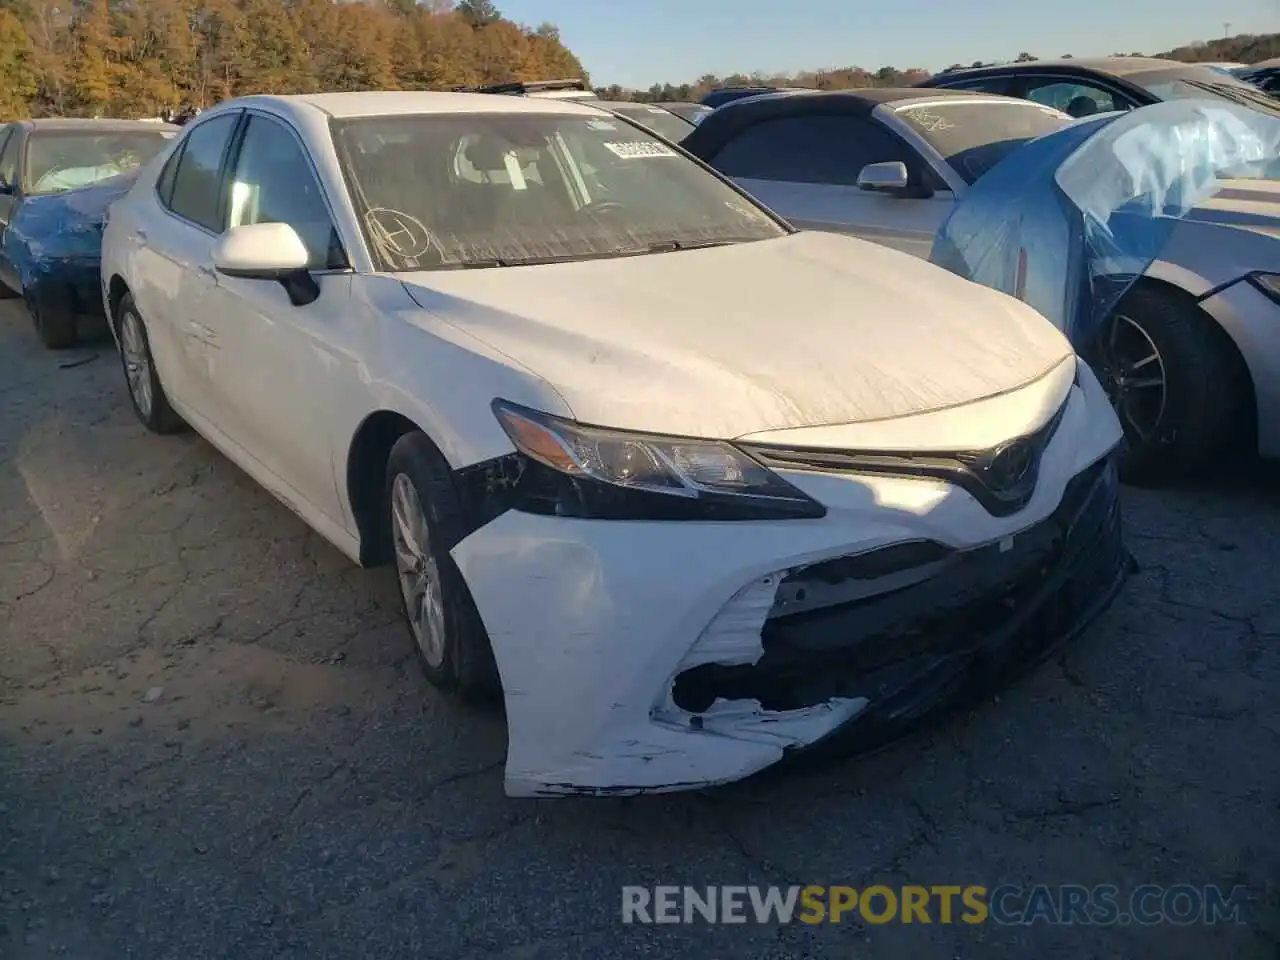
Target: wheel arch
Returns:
[[366, 467], [117, 290]]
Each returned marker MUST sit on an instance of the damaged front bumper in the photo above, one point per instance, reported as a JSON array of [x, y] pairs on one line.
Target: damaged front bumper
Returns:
[[964, 625], [642, 657]]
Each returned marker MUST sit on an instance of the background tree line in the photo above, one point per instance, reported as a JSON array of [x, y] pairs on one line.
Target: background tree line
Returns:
[[1245, 48], [138, 58]]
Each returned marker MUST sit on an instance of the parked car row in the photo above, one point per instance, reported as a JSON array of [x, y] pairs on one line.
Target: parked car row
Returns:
[[690, 488]]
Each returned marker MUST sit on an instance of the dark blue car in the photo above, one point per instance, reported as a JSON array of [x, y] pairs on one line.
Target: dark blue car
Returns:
[[57, 178]]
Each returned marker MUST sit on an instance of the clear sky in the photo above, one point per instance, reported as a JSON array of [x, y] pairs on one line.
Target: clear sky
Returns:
[[636, 43]]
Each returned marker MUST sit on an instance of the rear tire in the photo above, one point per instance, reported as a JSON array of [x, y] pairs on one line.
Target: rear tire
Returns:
[[425, 521], [1178, 427], [146, 393], [55, 322]]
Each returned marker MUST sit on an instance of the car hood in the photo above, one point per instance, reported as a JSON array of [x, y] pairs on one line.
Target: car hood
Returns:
[[806, 330]]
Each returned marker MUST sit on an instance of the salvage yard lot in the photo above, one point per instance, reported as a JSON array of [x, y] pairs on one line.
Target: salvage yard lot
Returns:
[[214, 742]]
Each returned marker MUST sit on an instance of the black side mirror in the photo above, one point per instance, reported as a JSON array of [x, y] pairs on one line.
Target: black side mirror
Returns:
[[6, 188]]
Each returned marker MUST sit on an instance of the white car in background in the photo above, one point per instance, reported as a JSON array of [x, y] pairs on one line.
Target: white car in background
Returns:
[[691, 489], [883, 164]]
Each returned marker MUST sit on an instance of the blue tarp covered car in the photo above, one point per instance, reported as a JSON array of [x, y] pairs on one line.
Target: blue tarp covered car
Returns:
[[1152, 239], [57, 179]]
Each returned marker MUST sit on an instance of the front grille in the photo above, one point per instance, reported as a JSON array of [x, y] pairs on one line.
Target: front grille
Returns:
[[970, 470], [980, 604]]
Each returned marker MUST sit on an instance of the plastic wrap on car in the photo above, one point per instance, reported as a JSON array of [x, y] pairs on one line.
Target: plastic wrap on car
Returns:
[[1106, 192]]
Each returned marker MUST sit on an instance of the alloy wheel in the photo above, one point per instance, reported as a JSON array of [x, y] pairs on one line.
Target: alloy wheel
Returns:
[[419, 574], [1134, 377], [137, 362]]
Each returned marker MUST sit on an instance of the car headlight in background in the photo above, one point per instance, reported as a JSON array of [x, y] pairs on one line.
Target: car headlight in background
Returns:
[[586, 471], [1268, 283]]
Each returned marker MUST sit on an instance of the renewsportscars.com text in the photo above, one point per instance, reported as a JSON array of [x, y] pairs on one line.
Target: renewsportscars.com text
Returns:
[[1063, 904]]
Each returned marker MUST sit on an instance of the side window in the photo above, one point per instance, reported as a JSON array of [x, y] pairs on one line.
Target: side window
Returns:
[[9, 158], [197, 191], [1077, 99], [274, 183], [815, 149], [164, 184]]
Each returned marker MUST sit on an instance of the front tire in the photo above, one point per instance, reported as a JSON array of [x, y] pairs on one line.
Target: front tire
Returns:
[[146, 394], [1176, 385], [425, 521]]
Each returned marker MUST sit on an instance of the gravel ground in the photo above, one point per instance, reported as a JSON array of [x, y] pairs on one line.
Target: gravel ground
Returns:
[[214, 743]]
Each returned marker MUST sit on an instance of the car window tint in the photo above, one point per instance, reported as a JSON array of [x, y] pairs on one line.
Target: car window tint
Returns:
[[1077, 99], [815, 149], [274, 183], [196, 187], [9, 158], [984, 85]]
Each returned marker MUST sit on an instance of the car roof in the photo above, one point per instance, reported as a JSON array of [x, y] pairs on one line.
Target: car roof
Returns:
[[85, 125], [393, 103], [1115, 66], [726, 122], [858, 101]]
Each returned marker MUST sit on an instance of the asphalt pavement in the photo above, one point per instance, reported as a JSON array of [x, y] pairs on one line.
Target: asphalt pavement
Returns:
[[214, 742]]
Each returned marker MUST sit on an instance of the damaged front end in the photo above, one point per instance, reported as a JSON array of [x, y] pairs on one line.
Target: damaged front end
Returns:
[[854, 651]]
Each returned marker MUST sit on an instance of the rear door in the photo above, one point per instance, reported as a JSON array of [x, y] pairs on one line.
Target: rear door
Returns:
[[171, 249], [805, 168]]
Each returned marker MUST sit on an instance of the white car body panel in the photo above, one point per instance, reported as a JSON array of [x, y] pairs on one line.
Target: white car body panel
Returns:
[[589, 620], [905, 224], [614, 337]]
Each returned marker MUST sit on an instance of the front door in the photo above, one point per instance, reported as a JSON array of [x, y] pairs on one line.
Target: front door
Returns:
[[279, 368]]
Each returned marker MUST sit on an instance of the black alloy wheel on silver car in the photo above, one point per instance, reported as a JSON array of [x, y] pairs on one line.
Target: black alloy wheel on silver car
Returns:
[[425, 521], [150, 403], [1175, 382]]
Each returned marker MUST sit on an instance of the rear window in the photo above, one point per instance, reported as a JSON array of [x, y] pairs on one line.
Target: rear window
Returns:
[[662, 122], [973, 136], [58, 161]]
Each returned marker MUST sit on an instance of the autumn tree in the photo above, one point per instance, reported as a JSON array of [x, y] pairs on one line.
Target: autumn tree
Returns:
[[18, 83]]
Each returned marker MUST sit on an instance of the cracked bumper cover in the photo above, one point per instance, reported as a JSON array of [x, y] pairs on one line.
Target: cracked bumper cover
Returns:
[[596, 625]]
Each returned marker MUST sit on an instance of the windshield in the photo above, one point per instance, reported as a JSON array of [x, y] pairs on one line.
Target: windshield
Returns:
[[445, 191], [59, 161], [1199, 83], [662, 122], [974, 135]]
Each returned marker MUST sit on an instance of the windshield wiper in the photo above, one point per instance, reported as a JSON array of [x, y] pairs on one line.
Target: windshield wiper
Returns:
[[670, 246]]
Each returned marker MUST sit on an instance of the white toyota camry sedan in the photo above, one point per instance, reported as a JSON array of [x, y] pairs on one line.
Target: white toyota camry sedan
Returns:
[[693, 491]]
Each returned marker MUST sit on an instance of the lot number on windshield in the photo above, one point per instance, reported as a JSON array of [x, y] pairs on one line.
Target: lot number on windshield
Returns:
[[629, 149]]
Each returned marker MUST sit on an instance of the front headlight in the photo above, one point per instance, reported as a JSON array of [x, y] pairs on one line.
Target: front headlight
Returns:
[[586, 471], [1268, 283]]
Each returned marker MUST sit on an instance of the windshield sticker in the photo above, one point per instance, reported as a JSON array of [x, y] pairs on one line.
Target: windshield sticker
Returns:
[[929, 122], [655, 110], [633, 149], [601, 125]]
